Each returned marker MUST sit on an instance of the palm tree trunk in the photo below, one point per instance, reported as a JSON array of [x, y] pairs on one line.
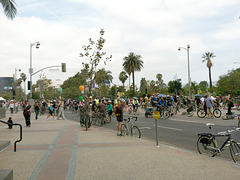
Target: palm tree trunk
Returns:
[[133, 84], [210, 78], [129, 81]]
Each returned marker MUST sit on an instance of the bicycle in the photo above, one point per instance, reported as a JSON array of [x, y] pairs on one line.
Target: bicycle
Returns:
[[97, 119], [201, 113], [164, 111], [207, 143], [130, 109], [136, 110], [128, 128]]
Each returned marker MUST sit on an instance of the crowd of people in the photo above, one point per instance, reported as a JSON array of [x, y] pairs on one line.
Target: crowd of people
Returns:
[[107, 106]]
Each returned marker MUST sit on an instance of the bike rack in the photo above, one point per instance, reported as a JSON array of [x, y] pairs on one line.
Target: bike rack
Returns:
[[15, 124]]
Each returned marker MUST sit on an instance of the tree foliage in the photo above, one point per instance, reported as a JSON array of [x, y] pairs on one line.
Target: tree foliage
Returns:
[[229, 83], [131, 64], [123, 77], [9, 7], [93, 55]]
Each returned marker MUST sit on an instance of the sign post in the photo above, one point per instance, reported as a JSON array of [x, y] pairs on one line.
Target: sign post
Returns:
[[156, 116]]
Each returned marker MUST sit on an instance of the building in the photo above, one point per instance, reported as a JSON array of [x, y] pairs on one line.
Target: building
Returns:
[[6, 84]]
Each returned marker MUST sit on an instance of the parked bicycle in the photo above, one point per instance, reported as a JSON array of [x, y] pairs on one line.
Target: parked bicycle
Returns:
[[201, 113], [128, 128], [207, 143]]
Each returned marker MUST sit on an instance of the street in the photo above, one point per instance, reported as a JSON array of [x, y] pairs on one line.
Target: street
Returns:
[[179, 131]]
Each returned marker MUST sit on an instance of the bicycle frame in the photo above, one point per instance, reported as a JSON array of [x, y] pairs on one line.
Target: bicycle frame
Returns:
[[224, 144]]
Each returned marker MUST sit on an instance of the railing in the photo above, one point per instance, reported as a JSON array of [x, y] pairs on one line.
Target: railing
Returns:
[[15, 124]]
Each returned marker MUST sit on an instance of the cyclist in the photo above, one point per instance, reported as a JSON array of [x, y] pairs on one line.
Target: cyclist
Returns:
[[109, 109], [93, 108], [229, 103], [161, 103], [101, 108], [135, 104]]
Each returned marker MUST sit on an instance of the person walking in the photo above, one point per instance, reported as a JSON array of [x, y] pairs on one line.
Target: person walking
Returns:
[[11, 106], [36, 109], [27, 113], [61, 110], [16, 105], [51, 111], [209, 104], [109, 109]]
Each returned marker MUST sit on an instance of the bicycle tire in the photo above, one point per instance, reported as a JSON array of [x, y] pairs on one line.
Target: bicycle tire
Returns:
[[206, 148], [227, 117], [239, 121], [93, 120], [217, 113], [235, 151], [98, 121], [135, 132], [201, 113], [166, 114], [124, 130], [89, 122], [107, 119]]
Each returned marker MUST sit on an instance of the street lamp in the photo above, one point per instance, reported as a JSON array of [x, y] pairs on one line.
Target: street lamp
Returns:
[[15, 75], [189, 78], [31, 69]]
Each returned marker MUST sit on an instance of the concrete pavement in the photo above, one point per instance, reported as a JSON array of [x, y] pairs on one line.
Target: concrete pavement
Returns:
[[61, 149]]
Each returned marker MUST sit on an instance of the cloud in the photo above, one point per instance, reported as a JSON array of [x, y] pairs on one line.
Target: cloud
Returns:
[[154, 29]]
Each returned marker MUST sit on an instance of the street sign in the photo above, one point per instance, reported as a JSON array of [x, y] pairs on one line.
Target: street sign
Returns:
[[156, 115]]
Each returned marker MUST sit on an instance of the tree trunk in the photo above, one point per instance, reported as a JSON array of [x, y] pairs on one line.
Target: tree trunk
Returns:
[[129, 81], [133, 84], [210, 79]]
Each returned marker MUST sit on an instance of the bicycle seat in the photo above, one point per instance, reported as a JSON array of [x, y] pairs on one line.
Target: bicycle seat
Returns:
[[210, 124]]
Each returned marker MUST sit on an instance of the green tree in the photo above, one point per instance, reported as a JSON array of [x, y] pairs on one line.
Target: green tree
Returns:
[[93, 55], [174, 86], [131, 64], [207, 58], [9, 8], [229, 82], [143, 86], [123, 77], [203, 86]]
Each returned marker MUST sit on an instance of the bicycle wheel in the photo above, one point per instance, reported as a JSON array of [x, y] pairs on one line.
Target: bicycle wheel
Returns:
[[93, 120], [107, 119], [235, 151], [124, 130], [129, 111], [239, 121], [217, 113], [136, 132], [88, 122], [206, 146], [227, 117], [98, 121], [201, 113], [166, 114]]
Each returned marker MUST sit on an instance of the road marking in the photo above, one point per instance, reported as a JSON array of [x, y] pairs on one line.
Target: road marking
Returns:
[[176, 129], [144, 128], [183, 120]]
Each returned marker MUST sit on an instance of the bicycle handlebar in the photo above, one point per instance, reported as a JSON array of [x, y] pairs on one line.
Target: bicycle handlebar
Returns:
[[129, 118]]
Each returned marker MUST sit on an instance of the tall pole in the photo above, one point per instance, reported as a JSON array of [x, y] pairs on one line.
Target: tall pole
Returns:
[[189, 78], [31, 69]]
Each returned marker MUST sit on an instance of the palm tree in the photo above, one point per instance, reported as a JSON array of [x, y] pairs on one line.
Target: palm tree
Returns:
[[207, 58], [123, 77], [9, 8], [132, 63]]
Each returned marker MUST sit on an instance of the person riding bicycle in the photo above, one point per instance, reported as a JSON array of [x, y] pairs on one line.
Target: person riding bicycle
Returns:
[[135, 104], [94, 107], [161, 103]]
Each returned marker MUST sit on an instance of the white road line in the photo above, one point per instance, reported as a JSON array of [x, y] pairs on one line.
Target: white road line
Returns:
[[183, 120], [144, 128], [176, 129]]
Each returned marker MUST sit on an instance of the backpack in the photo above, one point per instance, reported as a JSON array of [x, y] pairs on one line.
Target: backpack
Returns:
[[117, 111]]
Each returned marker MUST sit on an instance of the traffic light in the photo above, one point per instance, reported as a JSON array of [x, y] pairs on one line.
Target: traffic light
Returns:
[[29, 84], [63, 67], [14, 92]]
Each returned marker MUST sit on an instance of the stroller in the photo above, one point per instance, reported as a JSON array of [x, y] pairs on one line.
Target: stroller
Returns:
[[148, 112]]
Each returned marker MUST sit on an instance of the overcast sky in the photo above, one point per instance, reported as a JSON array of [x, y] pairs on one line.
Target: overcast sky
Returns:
[[153, 29]]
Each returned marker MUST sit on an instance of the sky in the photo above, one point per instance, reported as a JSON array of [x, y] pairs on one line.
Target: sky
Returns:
[[154, 29]]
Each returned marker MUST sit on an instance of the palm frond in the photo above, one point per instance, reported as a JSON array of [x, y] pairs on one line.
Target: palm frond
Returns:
[[9, 8]]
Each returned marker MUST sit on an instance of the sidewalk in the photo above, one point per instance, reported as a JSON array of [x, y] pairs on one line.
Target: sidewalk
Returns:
[[60, 149]]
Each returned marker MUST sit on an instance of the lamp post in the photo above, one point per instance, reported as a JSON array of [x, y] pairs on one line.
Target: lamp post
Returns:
[[15, 75], [189, 78], [31, 69]]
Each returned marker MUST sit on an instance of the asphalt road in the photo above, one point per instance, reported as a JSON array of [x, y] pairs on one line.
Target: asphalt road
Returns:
[[180, 131]]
